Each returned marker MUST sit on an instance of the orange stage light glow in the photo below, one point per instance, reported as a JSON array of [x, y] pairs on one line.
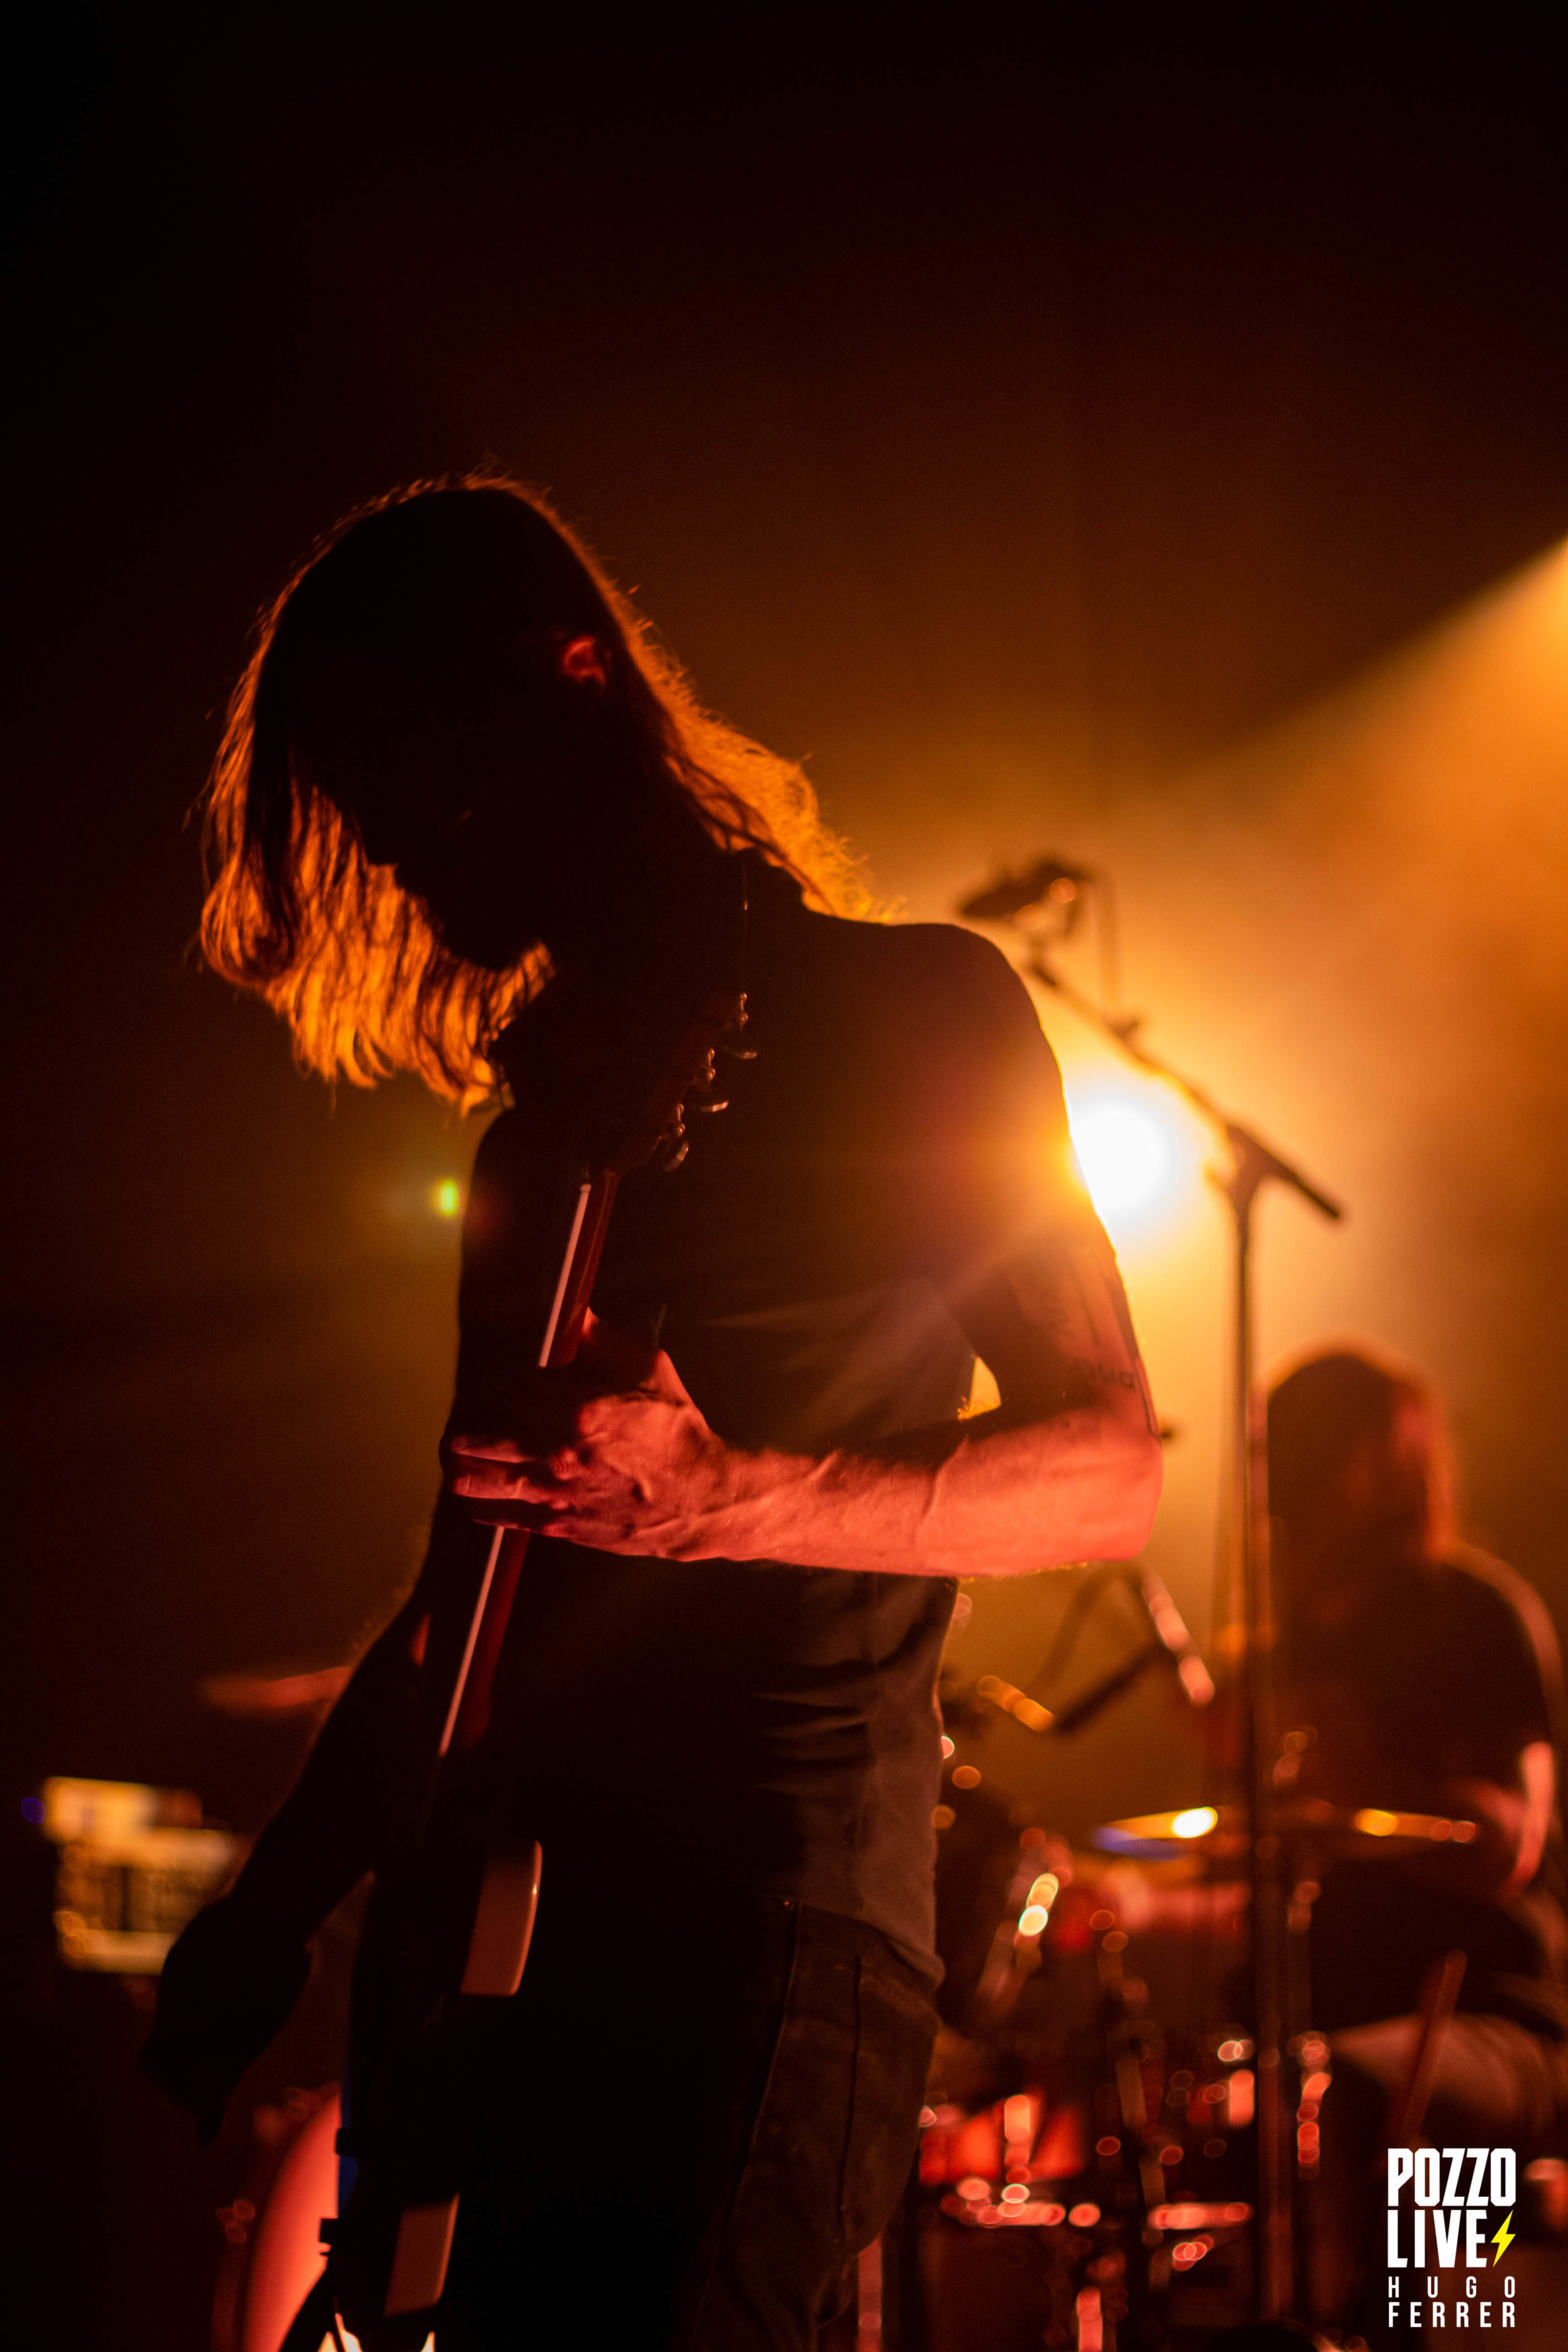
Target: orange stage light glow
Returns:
[[1141, 1150]]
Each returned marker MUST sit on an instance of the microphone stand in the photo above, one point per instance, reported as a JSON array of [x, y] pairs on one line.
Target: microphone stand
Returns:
[[1252, 1164]]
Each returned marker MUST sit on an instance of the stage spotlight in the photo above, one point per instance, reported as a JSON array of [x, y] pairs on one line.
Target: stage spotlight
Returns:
[[1127, 1155]]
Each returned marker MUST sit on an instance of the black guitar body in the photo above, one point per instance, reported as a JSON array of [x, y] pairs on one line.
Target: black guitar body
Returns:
[[417, 2068], [419, 2041]]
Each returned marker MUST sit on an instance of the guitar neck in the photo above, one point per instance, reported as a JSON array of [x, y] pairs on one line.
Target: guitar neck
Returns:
[[469, 1707]]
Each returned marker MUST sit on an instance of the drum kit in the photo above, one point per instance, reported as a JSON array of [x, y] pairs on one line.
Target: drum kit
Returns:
[[1089, 2166]]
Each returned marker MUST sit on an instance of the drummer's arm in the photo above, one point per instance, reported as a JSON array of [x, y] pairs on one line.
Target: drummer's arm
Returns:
[[1511, 1825], [1538, 1775]]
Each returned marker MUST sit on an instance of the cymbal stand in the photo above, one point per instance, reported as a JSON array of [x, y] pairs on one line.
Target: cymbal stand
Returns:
[[1251, 1165]]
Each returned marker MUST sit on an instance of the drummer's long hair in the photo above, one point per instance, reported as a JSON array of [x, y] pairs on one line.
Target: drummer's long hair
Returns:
[[432, 577], [1357, 1445]]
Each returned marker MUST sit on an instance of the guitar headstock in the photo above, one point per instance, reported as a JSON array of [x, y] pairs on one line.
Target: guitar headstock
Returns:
[[621, 1070], [666, 1068]]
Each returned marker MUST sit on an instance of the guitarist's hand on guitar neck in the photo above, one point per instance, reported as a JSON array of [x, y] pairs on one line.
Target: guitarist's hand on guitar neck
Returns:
[[612, 1454]]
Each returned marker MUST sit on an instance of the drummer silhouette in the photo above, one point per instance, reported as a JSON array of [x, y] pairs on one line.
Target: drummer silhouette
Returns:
[[1417, 1674]]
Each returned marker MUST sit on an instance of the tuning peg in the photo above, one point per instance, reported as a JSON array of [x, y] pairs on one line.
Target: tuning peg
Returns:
[[676, 1144], [730, 1043], [702, 1097]]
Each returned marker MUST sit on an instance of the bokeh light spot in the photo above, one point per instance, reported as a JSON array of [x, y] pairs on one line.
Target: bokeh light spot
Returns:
[[1194, 1823], [447, 1197], [32, 1808]]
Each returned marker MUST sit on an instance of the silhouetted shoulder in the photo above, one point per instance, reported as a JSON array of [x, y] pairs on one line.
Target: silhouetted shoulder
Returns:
[[926, 1051], [944, 950], [962, 961], [949, 984]]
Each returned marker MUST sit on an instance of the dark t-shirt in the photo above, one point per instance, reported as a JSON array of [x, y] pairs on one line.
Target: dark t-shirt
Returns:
[[1445, 1674], [902, 1126]]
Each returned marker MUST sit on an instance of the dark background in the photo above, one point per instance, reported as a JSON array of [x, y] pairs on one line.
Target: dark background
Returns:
[[1014, 424]]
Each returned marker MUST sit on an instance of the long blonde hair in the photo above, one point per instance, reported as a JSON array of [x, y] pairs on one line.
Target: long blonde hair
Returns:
[[295, 912]]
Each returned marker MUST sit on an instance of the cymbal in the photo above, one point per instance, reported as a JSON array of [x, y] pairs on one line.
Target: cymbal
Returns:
[[1222, 1830], [1212, 1831]]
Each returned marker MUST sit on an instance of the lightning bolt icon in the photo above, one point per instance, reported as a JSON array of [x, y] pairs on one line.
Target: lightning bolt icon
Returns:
[[1502, 2238]]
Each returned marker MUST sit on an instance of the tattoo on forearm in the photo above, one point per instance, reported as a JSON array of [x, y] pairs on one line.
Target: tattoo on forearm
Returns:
[[1072, 1295]]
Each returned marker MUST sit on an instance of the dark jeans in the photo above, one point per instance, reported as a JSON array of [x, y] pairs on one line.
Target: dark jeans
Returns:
[[697, 2118]]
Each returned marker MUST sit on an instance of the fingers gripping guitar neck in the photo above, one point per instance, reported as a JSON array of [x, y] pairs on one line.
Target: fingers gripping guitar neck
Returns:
[[468, 1711]]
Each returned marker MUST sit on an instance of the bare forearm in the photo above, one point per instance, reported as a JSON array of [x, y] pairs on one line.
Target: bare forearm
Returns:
[[987, 1498], [1068, 1469]]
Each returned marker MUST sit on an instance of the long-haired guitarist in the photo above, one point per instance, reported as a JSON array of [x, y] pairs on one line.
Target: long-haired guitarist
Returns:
[[469, 820]]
